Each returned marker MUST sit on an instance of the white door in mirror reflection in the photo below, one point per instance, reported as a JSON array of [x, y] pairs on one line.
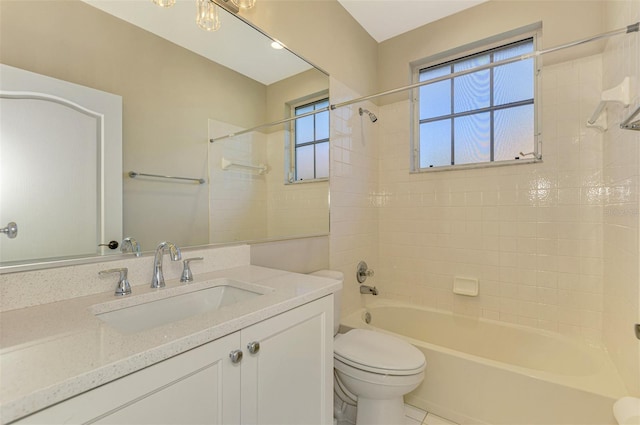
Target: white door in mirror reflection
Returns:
[[51, 174]]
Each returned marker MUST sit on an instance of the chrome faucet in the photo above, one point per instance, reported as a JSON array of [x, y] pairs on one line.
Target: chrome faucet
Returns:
[[132, 245], [365, 289], [157, 281]]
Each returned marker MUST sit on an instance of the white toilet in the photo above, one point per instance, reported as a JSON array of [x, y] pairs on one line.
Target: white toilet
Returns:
[[376, 368]]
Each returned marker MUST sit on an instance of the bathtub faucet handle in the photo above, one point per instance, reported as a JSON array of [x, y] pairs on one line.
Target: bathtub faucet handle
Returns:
[[363, 272]]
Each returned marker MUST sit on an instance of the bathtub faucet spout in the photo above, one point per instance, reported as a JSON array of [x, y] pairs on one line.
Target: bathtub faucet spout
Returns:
[[365, 289]]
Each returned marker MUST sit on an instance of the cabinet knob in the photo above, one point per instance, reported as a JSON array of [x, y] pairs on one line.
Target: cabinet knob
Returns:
[[235, 356], [253, 347]]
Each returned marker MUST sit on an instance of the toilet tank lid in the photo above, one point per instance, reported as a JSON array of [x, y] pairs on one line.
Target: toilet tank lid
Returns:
[[331, 274], [378, 350]]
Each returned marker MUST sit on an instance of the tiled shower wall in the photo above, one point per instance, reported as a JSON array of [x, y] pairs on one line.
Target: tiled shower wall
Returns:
[[531, 233], [354, 175], [621, 208]]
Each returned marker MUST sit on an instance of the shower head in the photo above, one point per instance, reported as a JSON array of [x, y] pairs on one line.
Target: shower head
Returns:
[[372, 116]]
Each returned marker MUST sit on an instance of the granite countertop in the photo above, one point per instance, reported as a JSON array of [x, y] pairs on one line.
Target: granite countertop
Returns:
[[54, 351]]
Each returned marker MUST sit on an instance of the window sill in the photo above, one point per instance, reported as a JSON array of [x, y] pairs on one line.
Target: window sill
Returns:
[[326, 179], [478, 165]]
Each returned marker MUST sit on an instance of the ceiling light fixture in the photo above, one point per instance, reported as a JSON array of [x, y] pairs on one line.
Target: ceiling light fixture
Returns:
[[164, 3], [244, 4], [207, 16]]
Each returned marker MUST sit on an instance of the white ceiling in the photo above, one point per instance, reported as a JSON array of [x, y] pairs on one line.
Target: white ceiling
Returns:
[[384, 19]]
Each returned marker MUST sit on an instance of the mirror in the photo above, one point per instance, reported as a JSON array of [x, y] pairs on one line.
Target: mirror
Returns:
[[179, 86]]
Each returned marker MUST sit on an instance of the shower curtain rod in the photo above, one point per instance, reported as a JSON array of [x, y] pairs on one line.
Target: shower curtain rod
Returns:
[[625, 30], [270, 124], [628, 29]]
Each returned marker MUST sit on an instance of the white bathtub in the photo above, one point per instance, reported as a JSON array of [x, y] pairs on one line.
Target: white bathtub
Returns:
[[482, 371]]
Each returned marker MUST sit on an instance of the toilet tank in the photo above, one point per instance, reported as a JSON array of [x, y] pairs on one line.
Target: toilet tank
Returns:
[[337, 296]]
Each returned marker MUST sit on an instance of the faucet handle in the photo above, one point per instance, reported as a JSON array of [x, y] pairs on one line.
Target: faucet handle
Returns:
[[187, 275], [123, 288], [363, 272]]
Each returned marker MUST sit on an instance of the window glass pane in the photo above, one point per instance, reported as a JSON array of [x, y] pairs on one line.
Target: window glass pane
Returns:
[[513, 132], [304, 129], [471, 91], [304, 163], [471, 62], [304, 109], [472, 138], [322, 160], [429, 73], [322, 125], [513, 82], [435, 99], [513, 51], [435, 143], [322, 104]]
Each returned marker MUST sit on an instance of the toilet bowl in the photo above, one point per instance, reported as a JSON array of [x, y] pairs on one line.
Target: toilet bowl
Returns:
[[379, 370], [375, 369]]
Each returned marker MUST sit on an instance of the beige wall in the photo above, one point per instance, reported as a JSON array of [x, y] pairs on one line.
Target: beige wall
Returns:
[[563, 21], [168, 95], [293, 88]]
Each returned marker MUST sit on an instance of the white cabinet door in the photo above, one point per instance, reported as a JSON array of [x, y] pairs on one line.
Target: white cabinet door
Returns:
[[289, 380], [200, 386]]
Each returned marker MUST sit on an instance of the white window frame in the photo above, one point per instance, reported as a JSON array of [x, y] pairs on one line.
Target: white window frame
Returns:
[[529, 32], [290, 143]]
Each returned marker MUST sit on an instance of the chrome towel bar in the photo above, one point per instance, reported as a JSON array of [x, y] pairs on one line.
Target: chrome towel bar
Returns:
[[134, 174]]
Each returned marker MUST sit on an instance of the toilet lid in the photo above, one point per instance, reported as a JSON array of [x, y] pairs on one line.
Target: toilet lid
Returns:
[[378, 352]]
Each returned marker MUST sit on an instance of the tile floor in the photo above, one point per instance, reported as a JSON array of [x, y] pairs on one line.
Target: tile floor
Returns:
[[415, 416]]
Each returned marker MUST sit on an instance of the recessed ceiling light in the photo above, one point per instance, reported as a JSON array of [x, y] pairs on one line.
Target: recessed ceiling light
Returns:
[[277, 45]]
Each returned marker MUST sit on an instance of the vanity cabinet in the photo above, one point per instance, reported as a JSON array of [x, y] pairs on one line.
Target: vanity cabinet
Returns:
[[289, 381], [286, 380]]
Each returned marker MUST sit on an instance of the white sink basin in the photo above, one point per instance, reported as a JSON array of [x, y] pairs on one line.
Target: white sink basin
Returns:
[[170, 305]]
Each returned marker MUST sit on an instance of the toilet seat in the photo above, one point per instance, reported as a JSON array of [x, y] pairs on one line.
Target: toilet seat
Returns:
[[378, 353]]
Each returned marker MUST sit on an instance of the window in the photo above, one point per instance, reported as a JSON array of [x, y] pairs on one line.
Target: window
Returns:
[[310, 136], [482, 117]]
